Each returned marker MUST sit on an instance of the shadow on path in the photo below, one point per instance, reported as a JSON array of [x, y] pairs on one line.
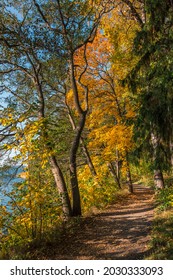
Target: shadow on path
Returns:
[[122, 231]]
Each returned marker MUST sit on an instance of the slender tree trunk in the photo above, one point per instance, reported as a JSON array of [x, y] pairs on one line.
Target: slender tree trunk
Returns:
[[60, 183], [114, 174], [88, 158], [117, 163], [129, 178], [129, 181], [76, 208], [61, 186], [158, 175], [82, 143], [56, 171]]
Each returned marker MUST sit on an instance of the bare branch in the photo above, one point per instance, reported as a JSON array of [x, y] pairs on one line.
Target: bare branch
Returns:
[[17, 67], [80, 77], [19, 97], [134, 12], [41, 13]]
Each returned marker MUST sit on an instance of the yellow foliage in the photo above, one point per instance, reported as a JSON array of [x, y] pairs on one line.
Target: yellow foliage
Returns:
[[109, 61]]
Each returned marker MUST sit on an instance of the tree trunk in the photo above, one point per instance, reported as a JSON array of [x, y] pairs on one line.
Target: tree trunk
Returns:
[[114, 174], [87, 156], [158, 175], [60, 183], [118, 165], [158, 179], [56, 171], [82, 143], [76, 208], [129, 177], [129, 181], [171, 152]]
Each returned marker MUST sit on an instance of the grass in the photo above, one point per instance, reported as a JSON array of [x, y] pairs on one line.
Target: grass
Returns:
[[162, 234], [162, 237]]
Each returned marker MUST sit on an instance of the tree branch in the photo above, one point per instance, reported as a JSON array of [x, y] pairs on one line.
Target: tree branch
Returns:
[[134, 12]]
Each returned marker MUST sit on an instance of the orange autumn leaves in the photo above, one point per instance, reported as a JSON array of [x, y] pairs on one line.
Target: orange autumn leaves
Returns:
[[109, 104]]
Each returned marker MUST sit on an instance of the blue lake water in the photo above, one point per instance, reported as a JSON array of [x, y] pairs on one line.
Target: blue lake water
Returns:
[[7, 179]]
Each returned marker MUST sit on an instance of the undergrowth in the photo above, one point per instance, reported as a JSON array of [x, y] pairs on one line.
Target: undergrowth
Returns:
[[43, 248], [162, 234]]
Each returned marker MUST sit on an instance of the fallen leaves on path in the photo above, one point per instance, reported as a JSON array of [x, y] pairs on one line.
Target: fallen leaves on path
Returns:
[[122, 231]]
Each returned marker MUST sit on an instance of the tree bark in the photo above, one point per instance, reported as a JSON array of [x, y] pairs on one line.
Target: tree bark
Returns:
[[82, 143], [88, 158], [129, 178], [158, 179], [114, 174], [118, 165], [158, 175], [61, 185], [134, 12], [76, 208], [56, 171], [129, 181], [171, 151]]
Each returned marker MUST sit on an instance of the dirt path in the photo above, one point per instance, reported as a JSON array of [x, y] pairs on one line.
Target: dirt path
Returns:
[[122, 231]]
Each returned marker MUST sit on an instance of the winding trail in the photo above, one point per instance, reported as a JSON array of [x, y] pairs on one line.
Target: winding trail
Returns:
[[122, 231]]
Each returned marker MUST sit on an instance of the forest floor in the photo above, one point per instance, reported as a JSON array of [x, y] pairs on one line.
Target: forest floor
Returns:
[[121, 231]]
